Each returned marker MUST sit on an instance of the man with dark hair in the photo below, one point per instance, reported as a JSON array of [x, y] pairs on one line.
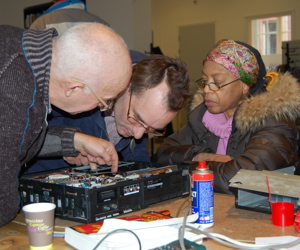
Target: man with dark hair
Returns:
[[159, 89]]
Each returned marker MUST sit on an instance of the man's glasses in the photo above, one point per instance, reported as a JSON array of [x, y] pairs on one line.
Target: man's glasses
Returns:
[[212, 86], [138, 123], [106, 105]]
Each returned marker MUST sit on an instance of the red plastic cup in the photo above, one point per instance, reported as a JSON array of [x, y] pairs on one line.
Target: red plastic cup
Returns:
[[282, 214]]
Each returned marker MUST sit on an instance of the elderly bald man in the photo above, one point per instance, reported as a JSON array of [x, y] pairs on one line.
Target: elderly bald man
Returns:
[[85, 67]]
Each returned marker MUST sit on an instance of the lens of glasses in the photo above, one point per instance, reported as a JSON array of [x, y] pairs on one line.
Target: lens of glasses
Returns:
[[202, 83], [156, 132], [213, 86], [149, 130]]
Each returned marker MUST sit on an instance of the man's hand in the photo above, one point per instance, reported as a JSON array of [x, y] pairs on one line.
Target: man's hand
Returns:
[[212, 157], [96, 150], [80, 160]]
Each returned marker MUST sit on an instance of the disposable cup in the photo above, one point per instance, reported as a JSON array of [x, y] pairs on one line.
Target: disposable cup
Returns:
[[39, 218], [282, 214]]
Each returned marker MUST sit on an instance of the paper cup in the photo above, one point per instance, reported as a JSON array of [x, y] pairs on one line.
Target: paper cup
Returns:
[[282, 214], [39, 218]]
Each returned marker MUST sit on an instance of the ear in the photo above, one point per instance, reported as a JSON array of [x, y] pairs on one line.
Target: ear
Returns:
[[72, 87], [246, 88]]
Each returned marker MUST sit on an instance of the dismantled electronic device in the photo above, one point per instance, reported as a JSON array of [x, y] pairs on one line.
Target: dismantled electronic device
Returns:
[[86, 195]]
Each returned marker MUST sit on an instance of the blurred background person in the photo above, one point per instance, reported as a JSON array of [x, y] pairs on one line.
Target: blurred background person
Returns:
[[64, 14]]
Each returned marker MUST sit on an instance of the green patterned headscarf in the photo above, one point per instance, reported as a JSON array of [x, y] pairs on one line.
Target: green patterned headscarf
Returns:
[[240, 59]]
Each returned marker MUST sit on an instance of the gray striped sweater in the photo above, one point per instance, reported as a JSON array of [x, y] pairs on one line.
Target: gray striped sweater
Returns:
[[25, 60]]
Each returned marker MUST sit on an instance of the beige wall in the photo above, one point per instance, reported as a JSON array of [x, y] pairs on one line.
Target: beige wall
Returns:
[[132, 18], [11, 12], [230, 18], [129, 18]]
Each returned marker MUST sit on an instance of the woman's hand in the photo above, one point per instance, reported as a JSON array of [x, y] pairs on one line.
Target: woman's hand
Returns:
[[212, 157]]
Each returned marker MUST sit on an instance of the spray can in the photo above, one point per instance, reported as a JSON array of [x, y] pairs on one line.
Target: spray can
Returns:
[[203, 194]]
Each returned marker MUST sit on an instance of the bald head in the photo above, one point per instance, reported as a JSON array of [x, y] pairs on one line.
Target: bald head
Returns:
[[95, 54]]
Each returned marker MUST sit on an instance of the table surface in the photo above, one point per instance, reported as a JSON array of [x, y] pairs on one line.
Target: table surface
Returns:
[[238, 224]]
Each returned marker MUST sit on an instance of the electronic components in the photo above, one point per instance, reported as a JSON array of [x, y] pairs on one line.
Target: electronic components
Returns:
[[87, 196]]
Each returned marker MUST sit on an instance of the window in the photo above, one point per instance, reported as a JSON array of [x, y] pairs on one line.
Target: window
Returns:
[[269, 33]]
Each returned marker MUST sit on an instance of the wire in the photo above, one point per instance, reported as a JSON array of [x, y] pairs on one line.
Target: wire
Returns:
[[114, 231], [224, 239], [182, 229], [187, 211], [179, 209], [187, 199], [236, 244]]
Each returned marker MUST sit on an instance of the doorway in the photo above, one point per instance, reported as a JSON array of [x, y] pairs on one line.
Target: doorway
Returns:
[[195, 41]]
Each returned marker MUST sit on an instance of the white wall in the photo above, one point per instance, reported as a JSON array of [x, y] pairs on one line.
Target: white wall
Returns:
[[129, 18], [230, 18]]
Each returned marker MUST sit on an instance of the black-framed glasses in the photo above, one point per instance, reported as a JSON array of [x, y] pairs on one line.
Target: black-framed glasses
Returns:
[[212, 86], [106, 105], [138, 123]]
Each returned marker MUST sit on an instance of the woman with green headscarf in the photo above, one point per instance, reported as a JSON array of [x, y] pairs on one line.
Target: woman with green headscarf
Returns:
[[235, 123]]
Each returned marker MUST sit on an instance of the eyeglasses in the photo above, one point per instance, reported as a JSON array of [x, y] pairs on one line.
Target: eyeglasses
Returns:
[[212, 86], [106, 105], [138, 123]]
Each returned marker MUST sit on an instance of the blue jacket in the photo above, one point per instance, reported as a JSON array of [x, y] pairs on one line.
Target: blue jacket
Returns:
[[91, 123]]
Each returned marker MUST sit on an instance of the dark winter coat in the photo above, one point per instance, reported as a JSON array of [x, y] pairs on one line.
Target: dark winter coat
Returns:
[[263, 134]]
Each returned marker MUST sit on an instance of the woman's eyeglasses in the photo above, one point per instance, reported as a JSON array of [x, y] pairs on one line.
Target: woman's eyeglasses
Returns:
[[212, 86]]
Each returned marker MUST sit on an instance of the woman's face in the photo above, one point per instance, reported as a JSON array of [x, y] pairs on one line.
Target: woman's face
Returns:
[[226, 99]]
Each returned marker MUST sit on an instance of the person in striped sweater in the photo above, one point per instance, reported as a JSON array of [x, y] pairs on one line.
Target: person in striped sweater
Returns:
[[85, 67]]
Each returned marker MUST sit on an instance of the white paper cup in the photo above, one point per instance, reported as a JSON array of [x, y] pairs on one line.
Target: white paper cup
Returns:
[[39, 218]]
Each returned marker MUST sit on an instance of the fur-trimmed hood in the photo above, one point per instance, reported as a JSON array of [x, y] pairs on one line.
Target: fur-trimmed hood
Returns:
[[282, 101]]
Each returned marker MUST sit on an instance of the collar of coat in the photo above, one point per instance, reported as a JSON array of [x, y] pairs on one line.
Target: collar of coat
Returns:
[[281, 102]]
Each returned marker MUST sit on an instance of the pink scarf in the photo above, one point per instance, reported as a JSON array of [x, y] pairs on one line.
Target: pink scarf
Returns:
[[220, 126]]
